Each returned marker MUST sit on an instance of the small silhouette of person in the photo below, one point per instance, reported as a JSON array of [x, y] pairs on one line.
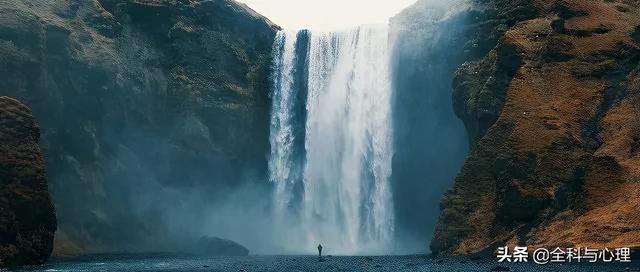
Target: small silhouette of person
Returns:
[[319, 250]]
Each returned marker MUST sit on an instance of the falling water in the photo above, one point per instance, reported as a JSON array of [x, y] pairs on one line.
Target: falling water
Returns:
[[331, 139], [282, 134]]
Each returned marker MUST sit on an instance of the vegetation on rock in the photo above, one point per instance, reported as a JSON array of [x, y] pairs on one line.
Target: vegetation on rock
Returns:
[[27, 215], [553, 113], [137, 100]]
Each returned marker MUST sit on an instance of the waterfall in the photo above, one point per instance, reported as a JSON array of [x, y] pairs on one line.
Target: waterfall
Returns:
[[331, 139]]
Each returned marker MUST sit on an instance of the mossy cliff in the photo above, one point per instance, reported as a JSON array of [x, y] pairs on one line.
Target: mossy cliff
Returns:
[[138, 99], [27, 215], [551, 108]]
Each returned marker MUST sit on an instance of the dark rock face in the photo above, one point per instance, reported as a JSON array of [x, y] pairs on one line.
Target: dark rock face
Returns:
[[480, 86], [490, 63], [27, 215], [214, 246], [552, 114], [138, 100]]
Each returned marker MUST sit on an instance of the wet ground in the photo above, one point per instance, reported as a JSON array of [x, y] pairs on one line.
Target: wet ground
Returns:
[[305, 263]]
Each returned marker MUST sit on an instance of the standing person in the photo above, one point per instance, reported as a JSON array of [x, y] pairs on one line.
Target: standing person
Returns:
[[319, 250]]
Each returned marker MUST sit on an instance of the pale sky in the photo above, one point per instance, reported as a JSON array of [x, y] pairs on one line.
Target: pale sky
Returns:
[[327, 14]]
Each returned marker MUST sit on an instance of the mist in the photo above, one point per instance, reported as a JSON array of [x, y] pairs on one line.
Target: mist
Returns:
[[429, 146], [430, 140]]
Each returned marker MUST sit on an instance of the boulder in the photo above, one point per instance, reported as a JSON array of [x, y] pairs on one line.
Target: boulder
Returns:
[[214, 246]]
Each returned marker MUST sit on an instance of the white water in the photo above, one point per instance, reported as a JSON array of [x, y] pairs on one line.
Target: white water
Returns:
[[345, 202], [282, 135]]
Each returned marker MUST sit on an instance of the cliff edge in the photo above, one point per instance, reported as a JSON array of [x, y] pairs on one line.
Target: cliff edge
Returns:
[[27, 216]]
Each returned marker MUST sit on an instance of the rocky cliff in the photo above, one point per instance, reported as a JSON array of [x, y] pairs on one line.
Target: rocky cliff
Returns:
[[551, 107], [27, 216], [139, 102]]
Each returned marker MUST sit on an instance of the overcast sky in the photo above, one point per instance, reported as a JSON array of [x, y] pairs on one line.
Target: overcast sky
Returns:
[[327, 14]]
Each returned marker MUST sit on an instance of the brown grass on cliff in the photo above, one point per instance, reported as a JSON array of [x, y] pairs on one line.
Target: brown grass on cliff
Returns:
[[560, 166]]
